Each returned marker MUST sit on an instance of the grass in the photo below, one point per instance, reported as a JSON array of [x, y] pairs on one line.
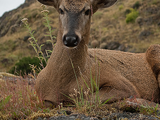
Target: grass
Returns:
[[131, 17], [149, 110], [18, 100], [87, 99]]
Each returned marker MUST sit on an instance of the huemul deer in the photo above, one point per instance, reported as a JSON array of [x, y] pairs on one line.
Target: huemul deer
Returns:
[[121, 74]]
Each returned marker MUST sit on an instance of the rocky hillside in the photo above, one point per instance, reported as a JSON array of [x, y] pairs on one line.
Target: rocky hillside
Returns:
[[127, 26]]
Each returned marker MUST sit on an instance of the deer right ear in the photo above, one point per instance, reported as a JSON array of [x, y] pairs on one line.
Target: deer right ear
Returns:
[[54, 3]]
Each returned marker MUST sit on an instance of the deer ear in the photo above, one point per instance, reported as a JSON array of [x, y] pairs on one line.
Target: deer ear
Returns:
[[54, 3], [47, 2], [96, 4]]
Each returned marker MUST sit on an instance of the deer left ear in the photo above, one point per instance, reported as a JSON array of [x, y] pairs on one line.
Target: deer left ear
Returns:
[[96, 4], [47, 2], [54, 3]]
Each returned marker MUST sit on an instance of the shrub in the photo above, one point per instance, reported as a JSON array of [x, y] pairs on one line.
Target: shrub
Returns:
[[136, 5], [23, 66], [127, 11], [131, 17], [121, 7]]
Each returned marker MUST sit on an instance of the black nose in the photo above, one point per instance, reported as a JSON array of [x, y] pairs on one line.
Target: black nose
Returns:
[[71, 40]]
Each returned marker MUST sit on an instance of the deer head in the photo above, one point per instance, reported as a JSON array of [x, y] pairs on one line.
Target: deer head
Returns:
[[75, 18]]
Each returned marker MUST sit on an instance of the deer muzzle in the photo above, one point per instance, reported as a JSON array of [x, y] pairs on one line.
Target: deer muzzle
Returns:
[[71, 41]]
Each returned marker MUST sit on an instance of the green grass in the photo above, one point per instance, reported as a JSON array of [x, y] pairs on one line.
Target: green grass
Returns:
[[131, 17], [86, 98]]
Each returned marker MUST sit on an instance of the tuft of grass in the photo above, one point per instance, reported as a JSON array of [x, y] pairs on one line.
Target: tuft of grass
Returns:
[[47, 24], [131, 17], [34, 41], [18, 100], [87, 100], [121, 7], [148, 110]]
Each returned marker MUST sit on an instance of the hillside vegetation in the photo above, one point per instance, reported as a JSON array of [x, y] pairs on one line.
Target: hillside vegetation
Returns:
[[127, 26]]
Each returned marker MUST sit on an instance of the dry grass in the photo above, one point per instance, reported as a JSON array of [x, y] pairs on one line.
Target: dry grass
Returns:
[[18, 99]]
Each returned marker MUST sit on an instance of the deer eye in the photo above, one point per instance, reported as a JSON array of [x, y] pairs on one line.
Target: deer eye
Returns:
[[88, 12], [61, 11]]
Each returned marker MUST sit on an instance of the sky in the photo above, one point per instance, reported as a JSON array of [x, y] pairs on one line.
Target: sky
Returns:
[[7, 5]]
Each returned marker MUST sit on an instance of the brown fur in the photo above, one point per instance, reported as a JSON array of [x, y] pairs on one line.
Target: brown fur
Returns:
[[120, 74]]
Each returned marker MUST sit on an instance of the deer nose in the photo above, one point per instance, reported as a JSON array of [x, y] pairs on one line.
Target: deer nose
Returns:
[[71, 41]]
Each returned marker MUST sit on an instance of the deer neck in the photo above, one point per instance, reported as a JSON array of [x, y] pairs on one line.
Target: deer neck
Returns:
[[66, 60]]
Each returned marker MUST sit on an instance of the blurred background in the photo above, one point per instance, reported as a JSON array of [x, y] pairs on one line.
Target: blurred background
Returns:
[[129, 26]]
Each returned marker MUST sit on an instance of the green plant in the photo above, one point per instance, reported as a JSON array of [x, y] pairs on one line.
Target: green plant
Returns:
[[121, 7], [47, 24], [87, 100], [131, 17], [5, 101], [36, 46], [148, 110], [23, 67], [34, 43]]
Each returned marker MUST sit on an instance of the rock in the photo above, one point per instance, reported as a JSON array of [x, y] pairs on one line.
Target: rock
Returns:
[[123, 115], [72, 118], [144, 34], [59, 118], [158, 24], [13, 29], [26, 38], [148, 21], [122, 47], [94, 44], [152, 9], [39, 118], [103, 46], [113, 45], [139, 21], [5, 61]]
